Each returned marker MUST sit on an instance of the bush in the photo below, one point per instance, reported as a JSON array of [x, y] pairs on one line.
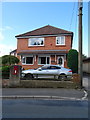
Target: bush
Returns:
[[9, 60], [5, 72], [72, 60]]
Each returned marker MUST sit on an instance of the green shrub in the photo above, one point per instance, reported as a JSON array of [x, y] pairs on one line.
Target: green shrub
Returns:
[[9, 60], [5, 71], [72, 60]]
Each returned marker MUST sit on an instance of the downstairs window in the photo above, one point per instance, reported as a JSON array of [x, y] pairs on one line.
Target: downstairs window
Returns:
[[44, 60], [27, 60]]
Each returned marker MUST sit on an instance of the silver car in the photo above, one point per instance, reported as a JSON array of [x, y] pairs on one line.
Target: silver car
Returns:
[[56, 71]]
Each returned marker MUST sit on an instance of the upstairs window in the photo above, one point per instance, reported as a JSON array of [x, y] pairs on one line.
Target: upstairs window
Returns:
[[36, 42], [60, 40]]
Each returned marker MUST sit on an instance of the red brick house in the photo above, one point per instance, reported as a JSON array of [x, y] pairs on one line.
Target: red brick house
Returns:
[[46, 45]]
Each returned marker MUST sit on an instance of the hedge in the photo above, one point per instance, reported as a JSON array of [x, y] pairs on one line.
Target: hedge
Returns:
[[5, 72]]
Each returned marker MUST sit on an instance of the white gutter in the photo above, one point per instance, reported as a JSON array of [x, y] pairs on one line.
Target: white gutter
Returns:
[[35, 36]]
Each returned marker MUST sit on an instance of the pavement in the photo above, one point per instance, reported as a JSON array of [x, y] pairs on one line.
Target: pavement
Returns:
[[45, 93], [86, 82]]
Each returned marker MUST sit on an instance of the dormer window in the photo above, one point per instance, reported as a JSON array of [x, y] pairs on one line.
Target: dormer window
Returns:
[[36, 42], [60, 40]]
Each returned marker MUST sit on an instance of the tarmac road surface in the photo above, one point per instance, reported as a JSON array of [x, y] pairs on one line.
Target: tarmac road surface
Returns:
[[38, 108]]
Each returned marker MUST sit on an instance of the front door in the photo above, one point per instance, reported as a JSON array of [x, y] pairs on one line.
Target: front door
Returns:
[[60, 61]]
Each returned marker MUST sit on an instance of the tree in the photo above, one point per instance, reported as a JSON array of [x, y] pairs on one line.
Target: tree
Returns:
[[84, 56], [9, 60], [0, 61], [72, 60]]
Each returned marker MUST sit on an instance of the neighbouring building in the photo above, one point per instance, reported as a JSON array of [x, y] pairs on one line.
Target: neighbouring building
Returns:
[[46, 45], [86, 65], [14, 53]]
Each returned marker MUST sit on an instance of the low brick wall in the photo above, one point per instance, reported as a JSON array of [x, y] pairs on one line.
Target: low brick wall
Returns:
[[5, 82], [48, 84], [76, 78], [42, 84], [72, 83]]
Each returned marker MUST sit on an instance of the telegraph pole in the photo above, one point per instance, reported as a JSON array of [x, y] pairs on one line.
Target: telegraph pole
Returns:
[[80, 6]]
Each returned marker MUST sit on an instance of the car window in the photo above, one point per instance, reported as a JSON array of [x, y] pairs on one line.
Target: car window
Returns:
[[55, 67], [45, 67]]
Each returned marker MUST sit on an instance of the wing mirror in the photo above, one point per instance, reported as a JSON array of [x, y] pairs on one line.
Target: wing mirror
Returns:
[[39, 69]]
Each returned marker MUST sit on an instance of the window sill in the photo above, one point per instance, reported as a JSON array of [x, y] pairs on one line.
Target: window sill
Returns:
[[60, 45], [36, 46], [43, 64], [27, 64]]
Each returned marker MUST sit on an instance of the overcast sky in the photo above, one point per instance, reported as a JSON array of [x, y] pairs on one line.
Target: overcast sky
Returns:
[[21, 17]]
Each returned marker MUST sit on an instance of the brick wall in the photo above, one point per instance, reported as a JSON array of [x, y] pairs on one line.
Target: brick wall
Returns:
[[49, 43]]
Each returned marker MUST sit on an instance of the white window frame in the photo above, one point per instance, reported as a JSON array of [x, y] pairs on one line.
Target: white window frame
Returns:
[[60, 40], [46, 60], [33, 39], [25, 60]]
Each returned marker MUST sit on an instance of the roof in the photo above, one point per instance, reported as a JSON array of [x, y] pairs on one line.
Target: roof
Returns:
[[23, 52], [86, 59], [14, 51], [46, 30]]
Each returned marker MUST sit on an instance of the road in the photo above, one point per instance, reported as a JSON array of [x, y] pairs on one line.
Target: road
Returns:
[[38, 108]]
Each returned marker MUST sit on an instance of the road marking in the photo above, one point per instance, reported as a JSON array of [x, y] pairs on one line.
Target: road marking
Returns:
[[85, 95]]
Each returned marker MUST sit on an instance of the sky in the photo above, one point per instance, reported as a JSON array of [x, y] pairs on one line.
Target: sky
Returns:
[[21, 17]]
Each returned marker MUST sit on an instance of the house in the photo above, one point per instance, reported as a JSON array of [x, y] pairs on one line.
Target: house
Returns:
[[45, 45], [14, 53], [86, 65]]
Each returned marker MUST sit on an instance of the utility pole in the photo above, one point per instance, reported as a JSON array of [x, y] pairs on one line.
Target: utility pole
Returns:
[[80, 6]]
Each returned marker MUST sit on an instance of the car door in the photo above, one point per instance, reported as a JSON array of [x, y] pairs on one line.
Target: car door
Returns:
[[43, 70], [53, 70]]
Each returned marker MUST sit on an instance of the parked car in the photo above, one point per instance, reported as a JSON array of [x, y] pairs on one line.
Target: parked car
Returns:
[[50, 70]]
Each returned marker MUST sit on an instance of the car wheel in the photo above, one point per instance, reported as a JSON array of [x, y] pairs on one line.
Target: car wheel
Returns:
[[29, 76], [62, 77]]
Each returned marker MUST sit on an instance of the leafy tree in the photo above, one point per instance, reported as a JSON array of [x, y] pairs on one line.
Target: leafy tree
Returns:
[[84, 56], [72, 60], [0, 61], [9, 60]]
